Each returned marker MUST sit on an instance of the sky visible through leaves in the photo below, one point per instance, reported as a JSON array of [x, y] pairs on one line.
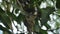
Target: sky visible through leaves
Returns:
[[42, 5]]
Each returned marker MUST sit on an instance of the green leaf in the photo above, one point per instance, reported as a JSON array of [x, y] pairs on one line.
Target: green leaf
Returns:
[[47, 25], [36, 28], [5, 29], [16, 11], [45, 14], [43, 32], [58, 11], [4, 18], [57, 25], [58, 4], [1, 11], [36, 21], [11, 15], [20, 18]]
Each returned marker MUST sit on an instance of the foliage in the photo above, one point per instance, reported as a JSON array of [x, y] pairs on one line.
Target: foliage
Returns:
[[30, 13]]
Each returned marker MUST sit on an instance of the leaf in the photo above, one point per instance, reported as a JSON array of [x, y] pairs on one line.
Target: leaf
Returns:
[[11, 15], [16, 11], [43, 32], [45, 12], [20, 18], [57, 25], [36, 28], [4, 29], [1, 11], [58, 4], [58, 11], [48, 26], [39, 13], [36, 21], [4, 18]]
